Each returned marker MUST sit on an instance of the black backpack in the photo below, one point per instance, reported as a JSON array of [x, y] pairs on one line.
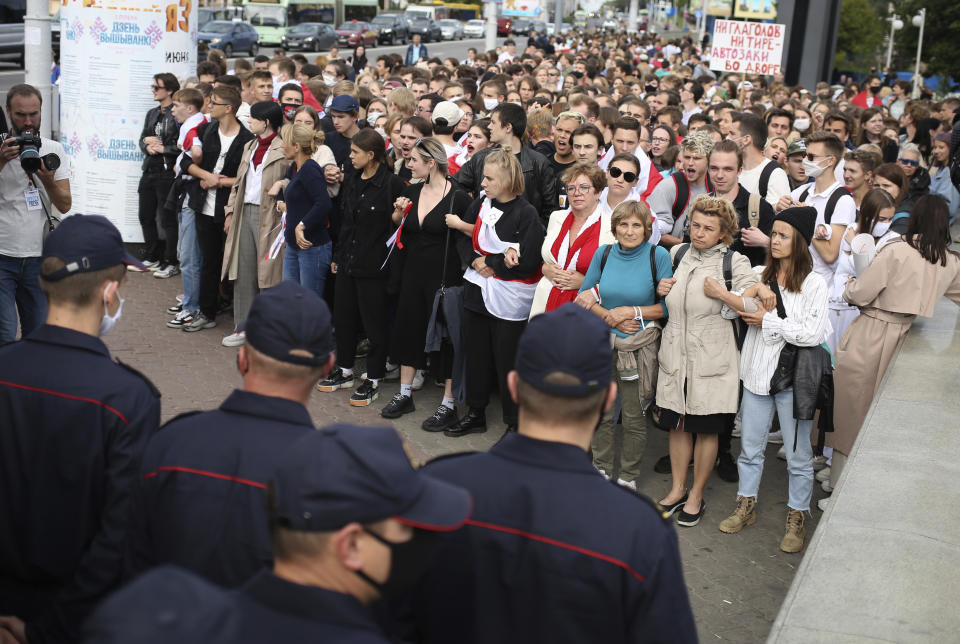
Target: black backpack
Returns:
[[765, 178], [739, 326], [683, 193], [831, 202]]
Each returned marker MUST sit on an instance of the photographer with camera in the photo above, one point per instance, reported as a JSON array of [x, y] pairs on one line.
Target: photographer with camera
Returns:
[[34, 190]]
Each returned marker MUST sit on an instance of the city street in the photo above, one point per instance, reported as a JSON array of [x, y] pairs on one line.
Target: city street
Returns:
[[736, 582]]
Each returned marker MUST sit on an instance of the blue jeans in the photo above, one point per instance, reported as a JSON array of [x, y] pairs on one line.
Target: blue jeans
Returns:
[[308, 267], [188, 252], [757, 416], [20, 292]]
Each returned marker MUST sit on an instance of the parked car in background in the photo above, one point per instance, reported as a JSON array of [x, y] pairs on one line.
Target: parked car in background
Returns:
[[309, 36], [475, 28], [521, 26], [503, 26], [393, 28], [229, 37], [355, 33], [451, 29], [428, 29]]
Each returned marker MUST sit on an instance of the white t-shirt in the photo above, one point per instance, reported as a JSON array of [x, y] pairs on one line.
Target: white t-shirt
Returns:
[[21, 229], [210, 205], [844, 214], [777, 186], [686, 115], [254, 182]]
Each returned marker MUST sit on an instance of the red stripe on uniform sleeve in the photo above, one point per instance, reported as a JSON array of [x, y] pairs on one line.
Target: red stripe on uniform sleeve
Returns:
[[214, 475], [68, 396], [559, 544]]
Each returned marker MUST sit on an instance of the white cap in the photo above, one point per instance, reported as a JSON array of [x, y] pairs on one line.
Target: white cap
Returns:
[[449, 112]]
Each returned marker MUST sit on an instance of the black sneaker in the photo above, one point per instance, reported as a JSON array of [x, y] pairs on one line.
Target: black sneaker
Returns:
[[336, 380], [365, 394], [173, 310], [183, 319], [475, 422], [727, 468], [398, 406], [442, 419]]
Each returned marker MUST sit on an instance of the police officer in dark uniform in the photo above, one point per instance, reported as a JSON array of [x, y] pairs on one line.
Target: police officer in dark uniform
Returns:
[[553, 552], [167, 605], [204, 474], [73, 427], [353, 522]]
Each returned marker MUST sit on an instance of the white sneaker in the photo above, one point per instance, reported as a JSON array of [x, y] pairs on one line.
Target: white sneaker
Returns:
[[823, 475], [418, 380], [775, 437], [782, 453], [150, 266], [823, 504], [826, 487], [167, 271], [234, 339], [631, 485], [603, 473]]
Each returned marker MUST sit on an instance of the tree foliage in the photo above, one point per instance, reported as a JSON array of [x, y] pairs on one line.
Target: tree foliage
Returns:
[[859, 36], [939, 56]]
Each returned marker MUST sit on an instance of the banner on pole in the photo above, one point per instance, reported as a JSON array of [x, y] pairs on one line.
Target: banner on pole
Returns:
[[747, 47], [108, 57]]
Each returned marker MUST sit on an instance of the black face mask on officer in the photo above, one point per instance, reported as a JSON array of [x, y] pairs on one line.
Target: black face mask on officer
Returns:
[[409, 561]]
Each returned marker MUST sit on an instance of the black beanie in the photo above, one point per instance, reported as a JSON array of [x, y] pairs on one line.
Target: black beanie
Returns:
[[267, 111], [803, 218]]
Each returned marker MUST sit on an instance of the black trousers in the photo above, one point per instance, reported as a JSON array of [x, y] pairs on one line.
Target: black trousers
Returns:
[[361, 301], [211, 239], [491, 349], [153, 190]]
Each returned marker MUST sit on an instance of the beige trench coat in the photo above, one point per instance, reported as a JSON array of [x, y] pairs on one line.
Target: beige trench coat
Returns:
[[897, 287], [698, 347], [269, 271]]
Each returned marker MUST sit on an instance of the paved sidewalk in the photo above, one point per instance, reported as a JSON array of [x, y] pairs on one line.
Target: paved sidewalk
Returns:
[[736, 582]]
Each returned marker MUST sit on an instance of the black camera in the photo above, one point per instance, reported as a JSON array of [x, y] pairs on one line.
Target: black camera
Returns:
[[30, 159]]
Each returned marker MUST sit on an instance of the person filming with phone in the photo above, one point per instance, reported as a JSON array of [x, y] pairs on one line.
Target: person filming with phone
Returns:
[[34, 190]]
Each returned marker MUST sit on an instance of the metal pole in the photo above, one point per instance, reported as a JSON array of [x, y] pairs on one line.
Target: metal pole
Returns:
[[893, 19], [632, 17], [490, 37], [703, 22], [916, 72], [38, 56], [557, 17]]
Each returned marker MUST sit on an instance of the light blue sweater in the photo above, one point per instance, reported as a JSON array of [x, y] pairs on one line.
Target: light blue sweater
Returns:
[[626, 279]]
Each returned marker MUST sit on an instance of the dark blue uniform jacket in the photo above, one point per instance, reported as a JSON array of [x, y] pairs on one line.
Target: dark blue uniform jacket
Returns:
[[276, 610], [552, 553], [203, 484], [73, 426]]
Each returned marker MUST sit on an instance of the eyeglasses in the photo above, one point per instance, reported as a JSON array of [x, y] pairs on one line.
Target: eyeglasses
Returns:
[[629, 177], [583, 188], [910, 162], [660, 139], [156, 87]]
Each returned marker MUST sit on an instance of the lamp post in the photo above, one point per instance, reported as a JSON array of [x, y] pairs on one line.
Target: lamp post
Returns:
[[918, 21], [895, 25]]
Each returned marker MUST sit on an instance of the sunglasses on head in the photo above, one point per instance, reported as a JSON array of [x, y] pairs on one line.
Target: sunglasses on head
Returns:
[[628, 176], [910, 162]]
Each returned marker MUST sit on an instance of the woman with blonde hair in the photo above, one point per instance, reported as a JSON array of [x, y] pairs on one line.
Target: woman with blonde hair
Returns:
[[308, 210], [699, 379], [502, 233], [621, 287]]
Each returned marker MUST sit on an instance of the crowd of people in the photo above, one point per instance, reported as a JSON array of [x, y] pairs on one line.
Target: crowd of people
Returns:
[[739, 256]]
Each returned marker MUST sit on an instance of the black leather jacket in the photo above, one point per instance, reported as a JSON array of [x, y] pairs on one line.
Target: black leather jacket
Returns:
[[160, 123], [366, 225], [541, 185]]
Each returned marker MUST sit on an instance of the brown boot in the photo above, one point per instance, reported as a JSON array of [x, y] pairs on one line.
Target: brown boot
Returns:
[[744, 515], [793, 538]]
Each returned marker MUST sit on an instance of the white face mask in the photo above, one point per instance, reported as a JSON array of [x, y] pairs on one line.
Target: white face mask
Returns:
[[329, 81], [372, 118], [107, 322], [880, 228], [381, 132], [801, 125], [490, 103], [811, 169]]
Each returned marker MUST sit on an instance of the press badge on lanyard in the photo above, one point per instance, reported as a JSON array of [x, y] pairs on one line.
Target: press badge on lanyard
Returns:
[[32, 195]]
